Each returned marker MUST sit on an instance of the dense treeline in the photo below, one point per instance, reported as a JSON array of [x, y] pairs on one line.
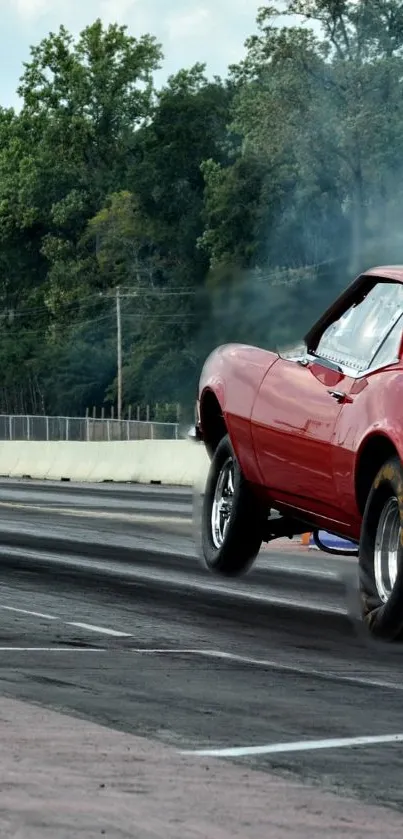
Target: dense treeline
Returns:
[[223, 209]]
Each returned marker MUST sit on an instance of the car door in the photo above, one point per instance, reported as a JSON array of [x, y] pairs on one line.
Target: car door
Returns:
[[302, 399], [375, 406], [293, 423]]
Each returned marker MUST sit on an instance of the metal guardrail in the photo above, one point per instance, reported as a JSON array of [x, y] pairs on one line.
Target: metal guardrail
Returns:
[[40, 428]]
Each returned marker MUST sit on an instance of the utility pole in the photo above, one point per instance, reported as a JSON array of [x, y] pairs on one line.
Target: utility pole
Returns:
[[119, 350]]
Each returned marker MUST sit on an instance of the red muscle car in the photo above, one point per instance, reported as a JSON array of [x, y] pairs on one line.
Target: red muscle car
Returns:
[[312, 439]]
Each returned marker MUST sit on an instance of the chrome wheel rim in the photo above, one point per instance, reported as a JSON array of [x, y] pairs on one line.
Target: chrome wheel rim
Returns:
[[387, 543], [222, 503]]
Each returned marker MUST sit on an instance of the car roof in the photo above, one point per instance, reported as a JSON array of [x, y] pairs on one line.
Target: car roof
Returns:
[[386, 272]]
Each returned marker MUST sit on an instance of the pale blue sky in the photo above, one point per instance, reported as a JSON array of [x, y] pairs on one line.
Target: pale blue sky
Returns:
[[211, 31]]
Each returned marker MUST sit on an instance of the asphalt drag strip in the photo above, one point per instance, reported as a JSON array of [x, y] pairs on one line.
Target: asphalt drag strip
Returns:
[[187, 710], [195, 676], [139, 788]]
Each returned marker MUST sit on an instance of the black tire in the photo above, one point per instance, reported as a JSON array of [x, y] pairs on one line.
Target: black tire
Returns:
[[381, 597], [244, 531]]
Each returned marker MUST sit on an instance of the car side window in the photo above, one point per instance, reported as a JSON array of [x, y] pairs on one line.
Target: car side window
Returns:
[[388, 352], [367, 330]]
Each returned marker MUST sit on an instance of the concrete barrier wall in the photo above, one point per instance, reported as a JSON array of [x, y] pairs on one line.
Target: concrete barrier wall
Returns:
[[177, 462]]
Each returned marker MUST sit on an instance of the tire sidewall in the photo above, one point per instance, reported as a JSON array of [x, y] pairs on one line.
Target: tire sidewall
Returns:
[[384, 620], [223, 452], [243, 537]]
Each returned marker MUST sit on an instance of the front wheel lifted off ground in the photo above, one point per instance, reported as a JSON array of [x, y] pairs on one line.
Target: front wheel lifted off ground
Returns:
[[232, 519], [381, 553]]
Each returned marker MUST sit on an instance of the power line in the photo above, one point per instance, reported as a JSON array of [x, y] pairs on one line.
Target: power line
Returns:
[[174, 291]]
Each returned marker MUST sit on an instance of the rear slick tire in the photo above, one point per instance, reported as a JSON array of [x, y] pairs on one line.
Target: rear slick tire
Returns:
[[232, 518], [381, 555]]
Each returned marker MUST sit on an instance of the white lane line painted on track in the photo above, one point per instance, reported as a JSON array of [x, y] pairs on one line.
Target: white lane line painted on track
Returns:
[[271, 664], [101, 629], [65, 649], [298, 746], [88, 626], [29, 612], [303, 671], [99, 514], [223, 656], [235, 658]]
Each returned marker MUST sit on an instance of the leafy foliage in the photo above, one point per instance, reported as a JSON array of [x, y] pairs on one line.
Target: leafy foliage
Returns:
[[223, 210]]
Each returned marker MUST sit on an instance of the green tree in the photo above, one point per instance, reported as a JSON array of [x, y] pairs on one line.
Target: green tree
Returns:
[[318, 116], [224, 209], [336, 99], [83, 103], [189, 125]]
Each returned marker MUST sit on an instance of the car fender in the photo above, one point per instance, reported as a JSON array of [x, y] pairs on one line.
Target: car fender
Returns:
[[234, 373], [375, 414]]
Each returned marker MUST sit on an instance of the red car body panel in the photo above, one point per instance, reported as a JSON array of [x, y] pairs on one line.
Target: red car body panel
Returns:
[[294, 442], [234, 373], [293, 424], [377, 408]]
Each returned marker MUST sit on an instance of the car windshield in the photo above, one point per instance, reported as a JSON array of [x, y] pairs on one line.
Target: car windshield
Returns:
[[356, 337]]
